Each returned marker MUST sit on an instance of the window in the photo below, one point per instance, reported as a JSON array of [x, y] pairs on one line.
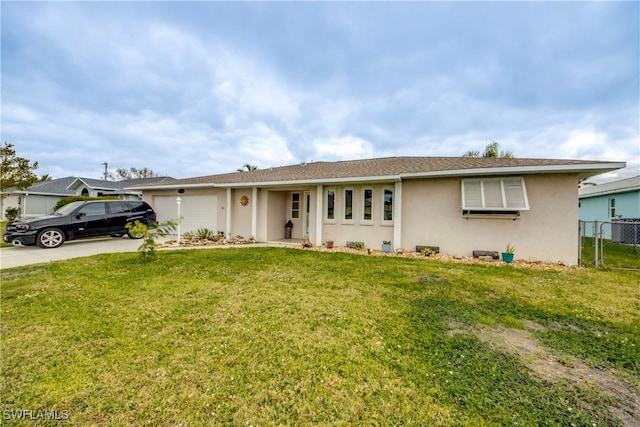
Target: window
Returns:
[[295, 205], [331, 204], [494, 195], [348, 205], [367, 204], [118, 208], [387, 213], [93, 209], [612, 208]]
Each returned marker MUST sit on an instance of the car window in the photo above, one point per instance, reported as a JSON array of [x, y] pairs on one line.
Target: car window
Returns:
[[93, 209], [68, 208], [118, 208], [138, 206]]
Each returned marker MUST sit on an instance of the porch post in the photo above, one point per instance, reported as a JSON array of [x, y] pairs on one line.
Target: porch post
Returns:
[[319, 208], [397, 216], [254, 212], [227, 230]]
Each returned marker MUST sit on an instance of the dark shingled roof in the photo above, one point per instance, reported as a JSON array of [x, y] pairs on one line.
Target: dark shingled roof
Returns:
[[60, 186], [381, 167]]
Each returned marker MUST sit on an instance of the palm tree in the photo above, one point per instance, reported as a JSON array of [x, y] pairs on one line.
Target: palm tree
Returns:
[[247, 168], [491, 150]]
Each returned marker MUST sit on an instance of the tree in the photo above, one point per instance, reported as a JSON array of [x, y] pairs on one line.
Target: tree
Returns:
[[132, 173], [15, 171], [492, 150], [247, 168]]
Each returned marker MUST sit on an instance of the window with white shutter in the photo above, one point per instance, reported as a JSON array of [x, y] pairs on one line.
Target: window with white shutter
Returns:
[[494, 195]]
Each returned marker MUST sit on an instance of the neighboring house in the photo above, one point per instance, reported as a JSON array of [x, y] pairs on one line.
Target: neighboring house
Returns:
[[459, 204], [40, 198], [617, 201], [612, 200]]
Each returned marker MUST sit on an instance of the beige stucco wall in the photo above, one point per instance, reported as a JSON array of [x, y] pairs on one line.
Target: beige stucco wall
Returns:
[[547, 232], [371, 233], [9, 201]]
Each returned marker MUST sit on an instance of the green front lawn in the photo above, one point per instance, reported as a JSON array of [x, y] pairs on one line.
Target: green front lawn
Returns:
[[271, 336]]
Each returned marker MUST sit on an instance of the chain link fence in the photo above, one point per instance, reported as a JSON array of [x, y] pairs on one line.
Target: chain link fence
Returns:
[[610, 244]]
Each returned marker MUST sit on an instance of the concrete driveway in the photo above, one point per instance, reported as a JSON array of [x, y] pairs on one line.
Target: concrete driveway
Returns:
[[25, 255]]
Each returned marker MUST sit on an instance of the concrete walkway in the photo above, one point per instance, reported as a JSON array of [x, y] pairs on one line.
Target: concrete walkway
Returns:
[[26, 255]]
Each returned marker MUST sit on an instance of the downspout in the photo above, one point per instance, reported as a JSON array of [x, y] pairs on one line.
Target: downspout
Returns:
[[397, 216], [254, 213], [227, 230], [319, 198]]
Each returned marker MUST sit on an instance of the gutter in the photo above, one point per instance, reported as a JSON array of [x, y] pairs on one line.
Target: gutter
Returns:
[[592, 169]]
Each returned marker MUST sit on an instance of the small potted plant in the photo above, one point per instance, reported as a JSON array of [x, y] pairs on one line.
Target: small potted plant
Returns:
[[507, 255], [329, 244], [386, 246]]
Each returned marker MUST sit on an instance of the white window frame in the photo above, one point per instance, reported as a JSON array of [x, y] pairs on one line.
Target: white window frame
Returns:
[[362, 218], [295, 211], [344, 206], [612, 207], [326, 204], [471, 197], [393, 205]]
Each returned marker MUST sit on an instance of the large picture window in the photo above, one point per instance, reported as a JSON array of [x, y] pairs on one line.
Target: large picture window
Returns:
[[348, 204], [367, 204], [494, 194]]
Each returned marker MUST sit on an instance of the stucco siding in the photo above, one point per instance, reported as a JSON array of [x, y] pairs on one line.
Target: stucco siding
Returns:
[[370, 232], [596, 208], [10, 201], [547, 232]]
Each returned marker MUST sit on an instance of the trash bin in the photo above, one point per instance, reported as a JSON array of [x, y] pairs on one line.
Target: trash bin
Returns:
[[287, 229]]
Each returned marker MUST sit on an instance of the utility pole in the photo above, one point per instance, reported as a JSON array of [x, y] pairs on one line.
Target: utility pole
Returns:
[[106, 172]]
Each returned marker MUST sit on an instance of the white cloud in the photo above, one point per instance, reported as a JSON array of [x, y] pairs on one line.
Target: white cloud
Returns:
[[342, 148], [262, 146]]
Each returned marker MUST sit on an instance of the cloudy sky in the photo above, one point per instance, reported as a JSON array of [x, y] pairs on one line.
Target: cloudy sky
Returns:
[[199, 88]]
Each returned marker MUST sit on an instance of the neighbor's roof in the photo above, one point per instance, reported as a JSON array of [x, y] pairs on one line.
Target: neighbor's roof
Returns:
[[63, 186], [390, 169], [100, 184], [613, 187]]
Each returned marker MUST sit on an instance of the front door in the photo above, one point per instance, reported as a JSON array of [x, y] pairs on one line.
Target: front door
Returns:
[[307, 213]]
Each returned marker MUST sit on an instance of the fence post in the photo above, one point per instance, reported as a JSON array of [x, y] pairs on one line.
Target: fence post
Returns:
[[595, 244], [580, 241]]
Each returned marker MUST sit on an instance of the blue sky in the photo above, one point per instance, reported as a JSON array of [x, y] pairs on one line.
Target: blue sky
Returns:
[[199, 88]]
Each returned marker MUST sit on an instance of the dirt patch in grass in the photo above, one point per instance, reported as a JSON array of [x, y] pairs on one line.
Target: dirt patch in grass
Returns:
[[553, 367]]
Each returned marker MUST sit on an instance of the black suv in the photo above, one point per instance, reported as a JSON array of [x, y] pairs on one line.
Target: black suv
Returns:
[[80, 219]]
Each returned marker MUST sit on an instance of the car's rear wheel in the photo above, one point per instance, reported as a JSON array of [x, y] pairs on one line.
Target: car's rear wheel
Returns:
[[134, 234], [50, 238]]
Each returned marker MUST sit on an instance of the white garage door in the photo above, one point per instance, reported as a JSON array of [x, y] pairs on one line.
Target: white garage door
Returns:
[[196, 211]]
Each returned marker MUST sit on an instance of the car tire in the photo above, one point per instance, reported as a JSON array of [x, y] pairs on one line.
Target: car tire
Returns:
[[134, 235], [50, 238]]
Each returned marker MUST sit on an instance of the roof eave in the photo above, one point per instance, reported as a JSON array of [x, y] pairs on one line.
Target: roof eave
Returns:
[[321, 181], [172, 186], [585, 170], [610, 191]]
